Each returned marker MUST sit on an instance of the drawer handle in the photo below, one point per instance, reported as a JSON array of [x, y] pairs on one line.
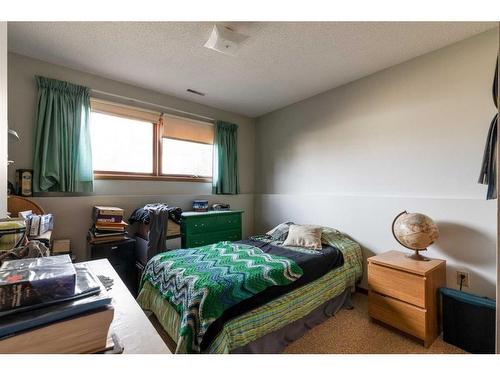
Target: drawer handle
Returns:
[[114, 247]]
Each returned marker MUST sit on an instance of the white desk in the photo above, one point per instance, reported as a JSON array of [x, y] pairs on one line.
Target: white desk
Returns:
[[131, 325]]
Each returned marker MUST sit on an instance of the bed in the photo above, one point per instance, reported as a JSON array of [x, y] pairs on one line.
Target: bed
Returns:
[[267, 320]]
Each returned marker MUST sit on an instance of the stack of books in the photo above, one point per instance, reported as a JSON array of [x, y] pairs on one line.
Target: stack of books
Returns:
[[108, 225], [49, 305]]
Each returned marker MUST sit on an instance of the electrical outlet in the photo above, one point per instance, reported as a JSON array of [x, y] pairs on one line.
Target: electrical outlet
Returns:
[[465, 276]]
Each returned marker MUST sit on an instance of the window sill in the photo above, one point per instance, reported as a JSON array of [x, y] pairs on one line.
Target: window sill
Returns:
[[147, 177]]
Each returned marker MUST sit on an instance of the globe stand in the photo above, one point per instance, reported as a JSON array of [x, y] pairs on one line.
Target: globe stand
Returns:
[[416, 256]]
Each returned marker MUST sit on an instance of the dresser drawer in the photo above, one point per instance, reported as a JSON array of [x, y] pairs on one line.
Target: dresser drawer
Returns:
[[403, 316], [229, 221], [200, 224], [202, 239], [403, 286], [212, 223]]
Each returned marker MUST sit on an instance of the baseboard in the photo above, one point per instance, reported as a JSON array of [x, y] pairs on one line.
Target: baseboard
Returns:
[[361, 290]]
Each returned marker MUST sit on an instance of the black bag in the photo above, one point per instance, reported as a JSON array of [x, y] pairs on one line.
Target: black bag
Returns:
[[468, 321]]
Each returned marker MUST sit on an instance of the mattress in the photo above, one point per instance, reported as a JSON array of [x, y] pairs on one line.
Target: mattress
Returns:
[[270, 314]]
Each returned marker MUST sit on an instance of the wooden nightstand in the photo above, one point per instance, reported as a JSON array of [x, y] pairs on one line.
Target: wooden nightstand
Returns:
[[403, 293]]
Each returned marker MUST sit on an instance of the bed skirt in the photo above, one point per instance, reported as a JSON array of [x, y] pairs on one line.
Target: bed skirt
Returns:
[[276, 342]]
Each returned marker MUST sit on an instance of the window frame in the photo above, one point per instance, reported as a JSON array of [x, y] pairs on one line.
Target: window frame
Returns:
[[157, 174]]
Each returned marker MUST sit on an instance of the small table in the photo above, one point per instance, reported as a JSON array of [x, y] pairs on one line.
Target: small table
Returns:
[[131, 325], [403, 293], [121, 255]]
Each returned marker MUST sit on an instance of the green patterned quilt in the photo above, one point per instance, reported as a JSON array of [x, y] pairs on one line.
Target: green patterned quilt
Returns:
[[201, 283]]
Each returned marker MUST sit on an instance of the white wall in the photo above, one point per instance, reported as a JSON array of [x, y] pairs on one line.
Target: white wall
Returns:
[[3, 119], [409, 137], [72, 213]]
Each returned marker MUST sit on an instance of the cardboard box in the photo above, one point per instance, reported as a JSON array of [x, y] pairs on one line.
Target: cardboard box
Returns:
[[61, 246]]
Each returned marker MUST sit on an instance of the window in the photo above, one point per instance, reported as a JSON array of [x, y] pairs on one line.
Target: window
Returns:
[[115, 138], [186, 158], [131, 143], [186, 147]]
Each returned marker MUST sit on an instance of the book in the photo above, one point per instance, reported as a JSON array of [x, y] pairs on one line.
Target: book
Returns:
[[46, 223], [108, 225], [34, 225], [107, 228], [86, 285], [39, 224], [22, 321], [104, 231], [26, 216], [121, 224], [107, 211], [105, 239], [84, 333], [33, 281], [108, 218]]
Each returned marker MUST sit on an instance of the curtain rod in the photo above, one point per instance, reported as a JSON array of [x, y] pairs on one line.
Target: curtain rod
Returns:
[[170, 109]]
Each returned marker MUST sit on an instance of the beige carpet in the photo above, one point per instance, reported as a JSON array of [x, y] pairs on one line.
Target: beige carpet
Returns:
[[351, 331]]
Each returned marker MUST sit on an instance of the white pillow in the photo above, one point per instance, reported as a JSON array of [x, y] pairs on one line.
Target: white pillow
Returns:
[[308, 236]]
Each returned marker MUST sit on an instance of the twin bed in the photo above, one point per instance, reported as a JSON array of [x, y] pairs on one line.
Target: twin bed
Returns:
[[250, 296]]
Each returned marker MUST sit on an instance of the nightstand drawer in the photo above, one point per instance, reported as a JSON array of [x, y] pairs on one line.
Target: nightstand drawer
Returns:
[[403, 316], [401, 285]]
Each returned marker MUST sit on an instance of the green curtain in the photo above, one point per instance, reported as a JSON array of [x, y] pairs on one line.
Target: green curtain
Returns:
[[225, 171], [63, 153]]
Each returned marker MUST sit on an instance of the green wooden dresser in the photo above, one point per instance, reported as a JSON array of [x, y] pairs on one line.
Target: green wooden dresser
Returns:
[[203, 228]]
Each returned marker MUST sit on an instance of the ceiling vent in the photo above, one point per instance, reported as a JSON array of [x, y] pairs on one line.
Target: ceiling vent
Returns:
[[195, 92], [225, 40]]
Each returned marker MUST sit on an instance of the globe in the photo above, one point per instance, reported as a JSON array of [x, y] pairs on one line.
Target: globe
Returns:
[[415, 231]]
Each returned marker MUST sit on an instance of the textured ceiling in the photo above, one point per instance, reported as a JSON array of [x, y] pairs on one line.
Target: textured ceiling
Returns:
[[279, 64]]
